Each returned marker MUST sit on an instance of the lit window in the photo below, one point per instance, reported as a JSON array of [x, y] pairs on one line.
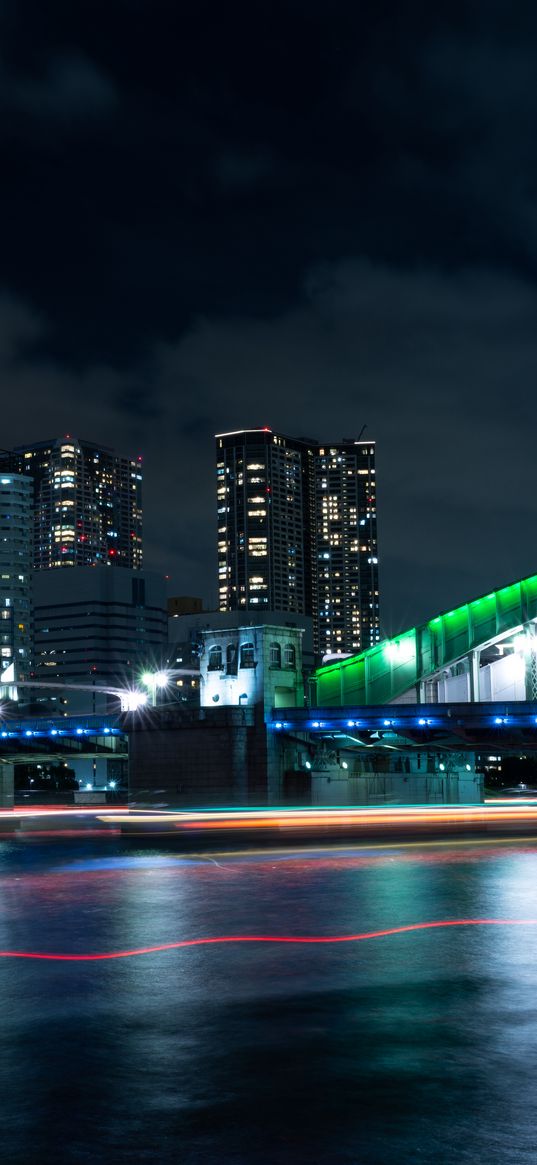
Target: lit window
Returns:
[[247, 655], [215, 659], [275, 655], [231, 658], [289, 655]]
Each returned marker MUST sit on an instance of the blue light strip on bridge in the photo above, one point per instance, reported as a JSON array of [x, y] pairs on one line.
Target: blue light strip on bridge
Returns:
[[63, 733], [402, 718]]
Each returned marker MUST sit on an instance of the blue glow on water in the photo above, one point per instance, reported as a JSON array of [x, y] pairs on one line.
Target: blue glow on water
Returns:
[[136, 862]]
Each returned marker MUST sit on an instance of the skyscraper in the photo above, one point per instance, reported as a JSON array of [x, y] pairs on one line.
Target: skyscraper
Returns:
[[297, 531], [16, 531], [265, 497], [87, 503], [346, 547]]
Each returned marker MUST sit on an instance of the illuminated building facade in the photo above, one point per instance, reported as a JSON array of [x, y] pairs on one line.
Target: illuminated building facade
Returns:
[[87, 503], [16, 534], [346, 548], [259, 665], [265, 501], [297, 532]]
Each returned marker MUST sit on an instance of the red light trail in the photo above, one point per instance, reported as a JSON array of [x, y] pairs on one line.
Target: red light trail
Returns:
[[268, 938]]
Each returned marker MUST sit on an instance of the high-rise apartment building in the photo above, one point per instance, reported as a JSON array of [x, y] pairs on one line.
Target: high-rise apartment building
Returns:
[[297, 531], [87, 503], [265, 497], [346, 547], [16, 534]]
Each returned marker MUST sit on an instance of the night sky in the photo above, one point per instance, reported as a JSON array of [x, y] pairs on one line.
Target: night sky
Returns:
[[308, 215]]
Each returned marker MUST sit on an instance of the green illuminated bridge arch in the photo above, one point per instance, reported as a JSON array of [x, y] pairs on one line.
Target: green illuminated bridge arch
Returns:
[[400, 666]]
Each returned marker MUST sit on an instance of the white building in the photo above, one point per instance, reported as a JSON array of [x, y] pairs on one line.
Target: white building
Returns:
[[257, 666], [16, 545]]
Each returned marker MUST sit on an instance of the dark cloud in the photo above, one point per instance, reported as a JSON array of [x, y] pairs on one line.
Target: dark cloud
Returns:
[[299, 216], [70, 89], [237, 170]]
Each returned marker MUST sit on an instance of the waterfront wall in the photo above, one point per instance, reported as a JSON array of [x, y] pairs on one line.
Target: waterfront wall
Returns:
[[393, 789], [209, 757], [182, 758], [6, 785]]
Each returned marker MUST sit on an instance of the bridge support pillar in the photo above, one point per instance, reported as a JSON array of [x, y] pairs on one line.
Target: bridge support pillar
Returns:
[[7, 785], [529, 640], [474, 676]]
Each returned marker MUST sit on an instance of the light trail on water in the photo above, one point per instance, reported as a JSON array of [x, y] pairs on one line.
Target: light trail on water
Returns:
[[284, 939]]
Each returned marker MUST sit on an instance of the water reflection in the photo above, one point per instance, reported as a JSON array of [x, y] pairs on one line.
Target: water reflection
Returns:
[[415, 1047]]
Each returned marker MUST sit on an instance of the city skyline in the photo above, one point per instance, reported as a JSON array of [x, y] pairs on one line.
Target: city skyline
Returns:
[[213, 262], [391, 622], [268, 719]]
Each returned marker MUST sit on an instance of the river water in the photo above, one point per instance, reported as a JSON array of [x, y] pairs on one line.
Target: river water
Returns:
[[415, 1047]]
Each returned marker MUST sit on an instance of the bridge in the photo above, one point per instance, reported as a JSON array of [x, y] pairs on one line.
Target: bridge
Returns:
[[417, 717], [484, 650], [31, 739], [425, 727], [400, 752], [453, 695]]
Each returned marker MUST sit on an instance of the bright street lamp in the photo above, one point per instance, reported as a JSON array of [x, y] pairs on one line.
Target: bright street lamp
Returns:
[[132, 701], [154, 680]]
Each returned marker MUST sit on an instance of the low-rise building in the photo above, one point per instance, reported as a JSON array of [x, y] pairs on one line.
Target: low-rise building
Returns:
[[187, 638], [96, 627], [258, 666]]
